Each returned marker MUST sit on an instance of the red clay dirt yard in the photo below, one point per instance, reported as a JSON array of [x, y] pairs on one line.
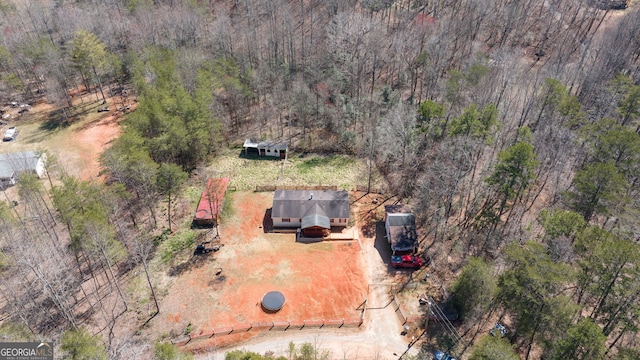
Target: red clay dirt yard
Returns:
[[320, 281]]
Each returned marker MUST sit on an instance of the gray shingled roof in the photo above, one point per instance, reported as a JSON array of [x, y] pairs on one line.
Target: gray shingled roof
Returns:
[[315, 216], [315, 220], [402, 231], [17, 162], [402, 220], [309, 203]]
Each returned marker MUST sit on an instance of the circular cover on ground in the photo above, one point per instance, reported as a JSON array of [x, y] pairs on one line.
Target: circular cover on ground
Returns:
[[273, 301]]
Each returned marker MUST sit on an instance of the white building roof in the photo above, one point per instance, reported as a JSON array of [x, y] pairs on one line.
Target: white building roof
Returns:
[[18, 162], [280, 145]]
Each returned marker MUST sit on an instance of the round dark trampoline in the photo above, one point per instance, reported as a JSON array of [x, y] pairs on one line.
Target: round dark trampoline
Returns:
[[273, 301]]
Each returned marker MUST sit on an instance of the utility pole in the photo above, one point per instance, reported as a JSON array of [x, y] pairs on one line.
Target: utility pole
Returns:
[[371, 161]]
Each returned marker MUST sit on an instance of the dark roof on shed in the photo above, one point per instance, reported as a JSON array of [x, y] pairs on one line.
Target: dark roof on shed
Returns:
[[402, 231], [402, 220], [397, 209], [305, 203]]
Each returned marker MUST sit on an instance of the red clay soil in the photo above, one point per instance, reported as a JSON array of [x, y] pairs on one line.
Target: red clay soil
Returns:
[[90, 142], [320, 281]]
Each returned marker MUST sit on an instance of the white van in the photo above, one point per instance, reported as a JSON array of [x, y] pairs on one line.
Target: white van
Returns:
[[10, 134]]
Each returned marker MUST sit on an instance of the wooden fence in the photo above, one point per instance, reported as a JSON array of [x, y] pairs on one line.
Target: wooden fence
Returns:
[[268, 326], [373, 190], [400, 310], [294, 324], [402, 315], [273, 326], [266, 188]]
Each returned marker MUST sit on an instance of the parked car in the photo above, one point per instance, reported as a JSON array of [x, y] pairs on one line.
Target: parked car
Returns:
[[498, 330], [24, 108], [440, 355], [10, 134], [406, 261]]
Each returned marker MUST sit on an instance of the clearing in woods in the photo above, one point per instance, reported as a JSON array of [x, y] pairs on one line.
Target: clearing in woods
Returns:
[[76, 147], [320, 281]]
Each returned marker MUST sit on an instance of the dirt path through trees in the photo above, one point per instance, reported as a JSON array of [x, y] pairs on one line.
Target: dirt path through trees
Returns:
[[90, 141]]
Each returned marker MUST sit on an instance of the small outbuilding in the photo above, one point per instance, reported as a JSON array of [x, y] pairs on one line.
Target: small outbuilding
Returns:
[[314, 212], [400, 226], [210, 204], [12, 165], [266, 148]]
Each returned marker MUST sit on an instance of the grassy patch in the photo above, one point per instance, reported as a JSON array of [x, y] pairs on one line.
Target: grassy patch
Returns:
[[5, 261], [80, 115], [53, 121], [137, 287], [11, 331], [323, 163], [193, 194], [342, 171], [180, 241], [227, 211]]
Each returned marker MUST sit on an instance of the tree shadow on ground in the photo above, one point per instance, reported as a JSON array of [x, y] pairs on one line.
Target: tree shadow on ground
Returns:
[[255, 156], [380, 243], [439, 338], [194, 262], [196, 226], [55, 120], [267, 221], [105, 118]]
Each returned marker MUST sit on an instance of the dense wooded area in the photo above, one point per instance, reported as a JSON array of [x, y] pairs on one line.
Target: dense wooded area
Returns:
[[512, 126]]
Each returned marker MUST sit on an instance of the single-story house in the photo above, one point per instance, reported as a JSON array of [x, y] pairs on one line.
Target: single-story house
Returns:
[[12, 165], [400, 226], [313, 211], [266, 148], [210, 204]]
